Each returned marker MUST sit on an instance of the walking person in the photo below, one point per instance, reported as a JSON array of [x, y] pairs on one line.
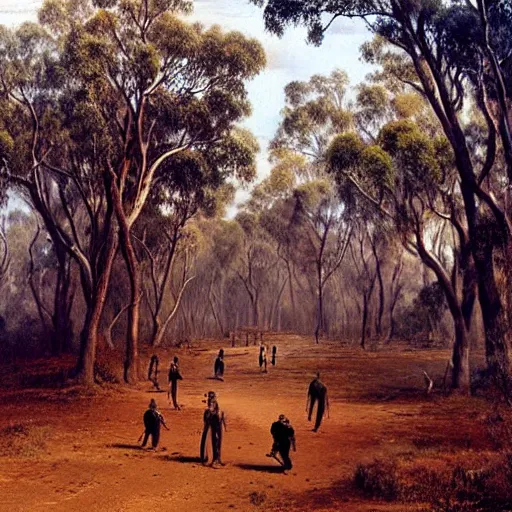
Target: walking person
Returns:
[[213, 421], [218, 367], [274, 354], [284, 438], [317, 392], [153, 371], [152, 421], [263, 358], [174, 377]]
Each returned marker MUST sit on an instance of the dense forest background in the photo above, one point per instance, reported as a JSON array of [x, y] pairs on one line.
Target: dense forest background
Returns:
[[386, 214]]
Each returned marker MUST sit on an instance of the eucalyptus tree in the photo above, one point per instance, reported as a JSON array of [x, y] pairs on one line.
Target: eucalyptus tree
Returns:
[[314, 112], [254, 262], [403, 178], [129, 86], [5, 257], [443, 51], [29, 77], [322, 234], [166, 232], [366, 274]]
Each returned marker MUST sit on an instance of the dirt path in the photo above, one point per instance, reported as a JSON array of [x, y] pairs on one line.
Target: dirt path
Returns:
[[92, 461]]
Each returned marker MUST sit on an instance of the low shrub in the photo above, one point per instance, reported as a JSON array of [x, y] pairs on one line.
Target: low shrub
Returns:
[[484, 489], [257, 498], [21, 440], [378, 479]]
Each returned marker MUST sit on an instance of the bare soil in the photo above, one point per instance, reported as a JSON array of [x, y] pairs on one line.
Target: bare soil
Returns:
[[89, 459]]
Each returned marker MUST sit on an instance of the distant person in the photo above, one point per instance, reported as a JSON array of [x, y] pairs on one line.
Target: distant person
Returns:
[[153, 371], [263, 358], [213, 420], [284, 438], [174, 377], [317, 392], [152, 421], [274, 354], [218, 367]]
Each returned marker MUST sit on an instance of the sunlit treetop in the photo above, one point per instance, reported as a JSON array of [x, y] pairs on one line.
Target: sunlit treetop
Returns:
[[113, 80], [314, 111]]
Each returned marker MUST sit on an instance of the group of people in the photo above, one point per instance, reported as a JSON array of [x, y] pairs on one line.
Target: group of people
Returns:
[[262, 360], [214, 421]]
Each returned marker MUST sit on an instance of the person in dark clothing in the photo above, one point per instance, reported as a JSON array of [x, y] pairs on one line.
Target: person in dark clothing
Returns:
[[152, 421], [153, 371], [218, 367], [174, 377], [284, 438], [214, 420], [274, 353], [263, 358], [317, 392]]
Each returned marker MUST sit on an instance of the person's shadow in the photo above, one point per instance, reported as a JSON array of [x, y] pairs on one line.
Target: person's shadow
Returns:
[[184, 459], [125, 446], [264, 468]]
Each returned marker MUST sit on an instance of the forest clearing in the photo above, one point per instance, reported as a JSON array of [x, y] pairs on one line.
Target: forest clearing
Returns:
[[198, 182], [88, 457]]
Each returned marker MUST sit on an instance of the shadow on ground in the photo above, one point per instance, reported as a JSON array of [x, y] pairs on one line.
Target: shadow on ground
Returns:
[[185, 459], [125, 446], [264, 468]]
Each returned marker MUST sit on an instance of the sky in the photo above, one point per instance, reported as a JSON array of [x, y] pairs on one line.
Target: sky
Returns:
[[288, 59]]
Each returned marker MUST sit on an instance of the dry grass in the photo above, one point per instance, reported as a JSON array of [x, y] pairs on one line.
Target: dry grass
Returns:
[[481, 486], [22, 440]]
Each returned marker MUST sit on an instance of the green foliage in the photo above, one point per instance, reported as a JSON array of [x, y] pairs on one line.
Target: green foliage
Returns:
[[425, 313], [314, 112], [313, 195], [378, 166], [344, 152], [392, 135], [408, 105], [6, 145], [248, 222], [372, 107], [227, 242], [415, 152]]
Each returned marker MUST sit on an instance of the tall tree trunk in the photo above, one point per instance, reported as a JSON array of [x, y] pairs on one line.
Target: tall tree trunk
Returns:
[[394, 294], [164, 326], [255, 314], [469, 284], [89, 334], [131, 362], [292, 294], [494, 318], [132, 336], [380, 313], [364, 320], [460, 354], [63, 303], [320, 305]]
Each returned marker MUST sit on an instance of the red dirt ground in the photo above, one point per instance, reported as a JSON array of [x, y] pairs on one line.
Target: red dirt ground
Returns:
[[378, 409]]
